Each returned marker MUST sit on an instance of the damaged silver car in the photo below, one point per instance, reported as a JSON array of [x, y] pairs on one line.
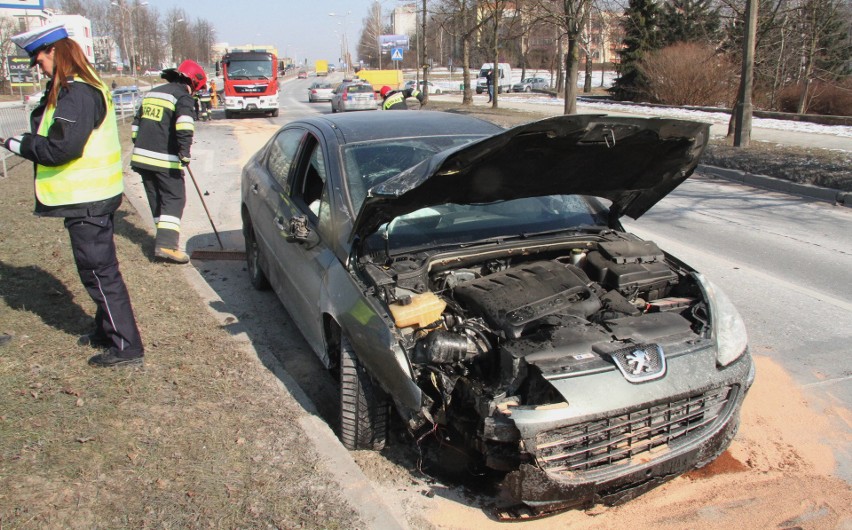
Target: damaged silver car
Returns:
[[478, 282]]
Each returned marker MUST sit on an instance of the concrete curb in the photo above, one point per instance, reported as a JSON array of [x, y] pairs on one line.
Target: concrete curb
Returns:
[[836, 197]]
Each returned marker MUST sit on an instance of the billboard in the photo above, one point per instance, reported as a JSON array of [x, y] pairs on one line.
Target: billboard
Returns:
[[23, 4], [387, 42], [20, 73]]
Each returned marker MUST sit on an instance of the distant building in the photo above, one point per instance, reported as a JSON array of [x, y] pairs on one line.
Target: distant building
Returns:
[[404, 19], [31, 16]]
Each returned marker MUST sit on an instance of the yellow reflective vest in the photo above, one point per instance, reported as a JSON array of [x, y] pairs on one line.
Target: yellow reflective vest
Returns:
[[95, 176]]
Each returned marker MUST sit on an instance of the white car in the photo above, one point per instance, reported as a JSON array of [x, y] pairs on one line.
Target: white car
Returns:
[[433, 89], [31, 100], [320, 91]]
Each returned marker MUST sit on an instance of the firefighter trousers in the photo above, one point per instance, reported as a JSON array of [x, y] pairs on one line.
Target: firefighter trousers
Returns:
[[94, 253], [167, 198]]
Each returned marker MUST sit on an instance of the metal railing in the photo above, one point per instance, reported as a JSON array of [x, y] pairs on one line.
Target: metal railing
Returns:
[[14, 120]]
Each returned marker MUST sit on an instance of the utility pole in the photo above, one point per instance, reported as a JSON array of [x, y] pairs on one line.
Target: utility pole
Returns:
[[743, 110]]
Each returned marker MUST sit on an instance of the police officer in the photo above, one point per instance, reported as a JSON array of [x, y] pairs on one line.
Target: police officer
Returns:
[[162, 134], [395, 99], [75, 148]]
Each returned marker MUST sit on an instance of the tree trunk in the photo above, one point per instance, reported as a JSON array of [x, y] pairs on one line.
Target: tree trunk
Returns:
[[572, 68], [467, 97], [423, 60], [587, 84]]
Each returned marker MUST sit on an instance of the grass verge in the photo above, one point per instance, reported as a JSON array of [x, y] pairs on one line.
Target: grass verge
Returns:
[[201, 436]]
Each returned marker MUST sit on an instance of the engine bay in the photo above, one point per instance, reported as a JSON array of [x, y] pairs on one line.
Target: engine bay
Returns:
[[488, 327]]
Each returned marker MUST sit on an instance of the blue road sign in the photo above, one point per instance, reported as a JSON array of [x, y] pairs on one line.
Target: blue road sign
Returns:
[[396, 54]]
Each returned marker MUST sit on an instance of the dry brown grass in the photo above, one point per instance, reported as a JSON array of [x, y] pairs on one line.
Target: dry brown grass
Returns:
[[202, 436]]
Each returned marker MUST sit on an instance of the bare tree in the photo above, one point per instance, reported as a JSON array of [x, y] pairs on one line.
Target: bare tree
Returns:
[[571, 17], [501, 17], [372, 27], [460, 20]]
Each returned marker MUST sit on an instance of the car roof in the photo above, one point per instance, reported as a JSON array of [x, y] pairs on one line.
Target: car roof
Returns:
[[370, 126]]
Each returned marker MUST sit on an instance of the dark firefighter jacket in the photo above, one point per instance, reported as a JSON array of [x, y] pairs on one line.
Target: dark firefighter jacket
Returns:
[[395, 100], [80, 109], [163, 128]]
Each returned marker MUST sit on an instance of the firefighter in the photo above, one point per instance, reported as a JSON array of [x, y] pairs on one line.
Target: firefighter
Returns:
[[76, 152], [214, 97], [395, 99], [162, 134], [204, 104]]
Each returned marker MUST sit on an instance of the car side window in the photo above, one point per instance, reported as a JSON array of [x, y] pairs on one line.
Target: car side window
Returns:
[[311, 189], [282, 152]]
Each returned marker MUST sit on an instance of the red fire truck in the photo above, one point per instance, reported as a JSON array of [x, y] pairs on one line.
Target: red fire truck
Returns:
[[251, 82]]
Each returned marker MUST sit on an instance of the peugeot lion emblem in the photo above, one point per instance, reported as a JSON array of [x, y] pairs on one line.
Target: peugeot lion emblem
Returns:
[[639, 364]]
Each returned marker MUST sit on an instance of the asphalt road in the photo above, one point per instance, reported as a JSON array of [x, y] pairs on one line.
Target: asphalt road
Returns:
[[785, 261]]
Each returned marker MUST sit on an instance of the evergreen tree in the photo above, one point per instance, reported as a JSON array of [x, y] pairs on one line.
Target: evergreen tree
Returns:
[[689, 21], [641, 35]]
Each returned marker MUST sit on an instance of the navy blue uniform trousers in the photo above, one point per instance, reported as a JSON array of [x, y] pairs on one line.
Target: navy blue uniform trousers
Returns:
[[94, 253]]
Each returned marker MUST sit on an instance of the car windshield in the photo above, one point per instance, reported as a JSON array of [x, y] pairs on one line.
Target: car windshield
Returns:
[[368, 164], [249, 69], [466, 224]]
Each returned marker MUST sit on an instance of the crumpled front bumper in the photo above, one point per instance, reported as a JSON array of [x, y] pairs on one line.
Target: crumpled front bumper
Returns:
[[546, 490]]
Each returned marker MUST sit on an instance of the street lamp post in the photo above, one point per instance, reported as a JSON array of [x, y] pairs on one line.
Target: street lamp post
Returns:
[[129, 11], [346, 57]]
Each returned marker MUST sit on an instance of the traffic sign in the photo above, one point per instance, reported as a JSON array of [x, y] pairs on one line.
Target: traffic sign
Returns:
[[396, 54]]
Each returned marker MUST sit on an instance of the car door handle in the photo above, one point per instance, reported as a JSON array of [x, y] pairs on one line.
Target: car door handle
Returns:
[[279, 222], [254, 188]]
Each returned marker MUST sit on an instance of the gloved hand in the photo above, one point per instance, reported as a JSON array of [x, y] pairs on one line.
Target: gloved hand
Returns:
[[14, 143], [184, 159]]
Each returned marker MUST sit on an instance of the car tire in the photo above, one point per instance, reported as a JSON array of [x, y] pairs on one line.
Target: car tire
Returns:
[[275, 113], [256, 275], [228, 114], [527, 89], [363, 405]]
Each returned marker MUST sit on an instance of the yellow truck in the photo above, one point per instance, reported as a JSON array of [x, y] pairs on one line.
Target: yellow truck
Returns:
[[321, 68], [380, 78]]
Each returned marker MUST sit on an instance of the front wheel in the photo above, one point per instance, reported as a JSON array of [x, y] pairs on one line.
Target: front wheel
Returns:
[[363, 405], [256, 276], [275, 113]]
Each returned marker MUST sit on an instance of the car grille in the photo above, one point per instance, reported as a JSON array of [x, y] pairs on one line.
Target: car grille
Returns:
[[638, 434]]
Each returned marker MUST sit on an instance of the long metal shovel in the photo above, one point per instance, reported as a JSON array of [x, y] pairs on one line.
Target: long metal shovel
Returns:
[[212, 254]]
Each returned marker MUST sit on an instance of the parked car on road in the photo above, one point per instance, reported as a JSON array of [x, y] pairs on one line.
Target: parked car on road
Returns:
[[433, 89], [126, 99], [31, 100], [302, 74], [320, 91], [479, 282], [353, 95], [531, 83]]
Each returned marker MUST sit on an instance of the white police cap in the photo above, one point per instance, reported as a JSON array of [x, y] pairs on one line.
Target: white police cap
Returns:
[[36, 40]]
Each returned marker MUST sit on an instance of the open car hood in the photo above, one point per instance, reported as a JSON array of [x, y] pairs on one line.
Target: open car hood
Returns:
[[632, 162]]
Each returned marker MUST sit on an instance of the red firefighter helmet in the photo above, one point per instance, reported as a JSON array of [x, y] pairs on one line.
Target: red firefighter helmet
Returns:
[[384, 91], [193, 71]]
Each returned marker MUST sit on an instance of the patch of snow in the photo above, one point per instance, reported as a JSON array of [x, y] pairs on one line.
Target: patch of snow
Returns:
[[691, 114]]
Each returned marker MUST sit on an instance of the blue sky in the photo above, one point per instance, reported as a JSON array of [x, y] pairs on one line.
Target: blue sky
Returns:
[[300, 29]]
